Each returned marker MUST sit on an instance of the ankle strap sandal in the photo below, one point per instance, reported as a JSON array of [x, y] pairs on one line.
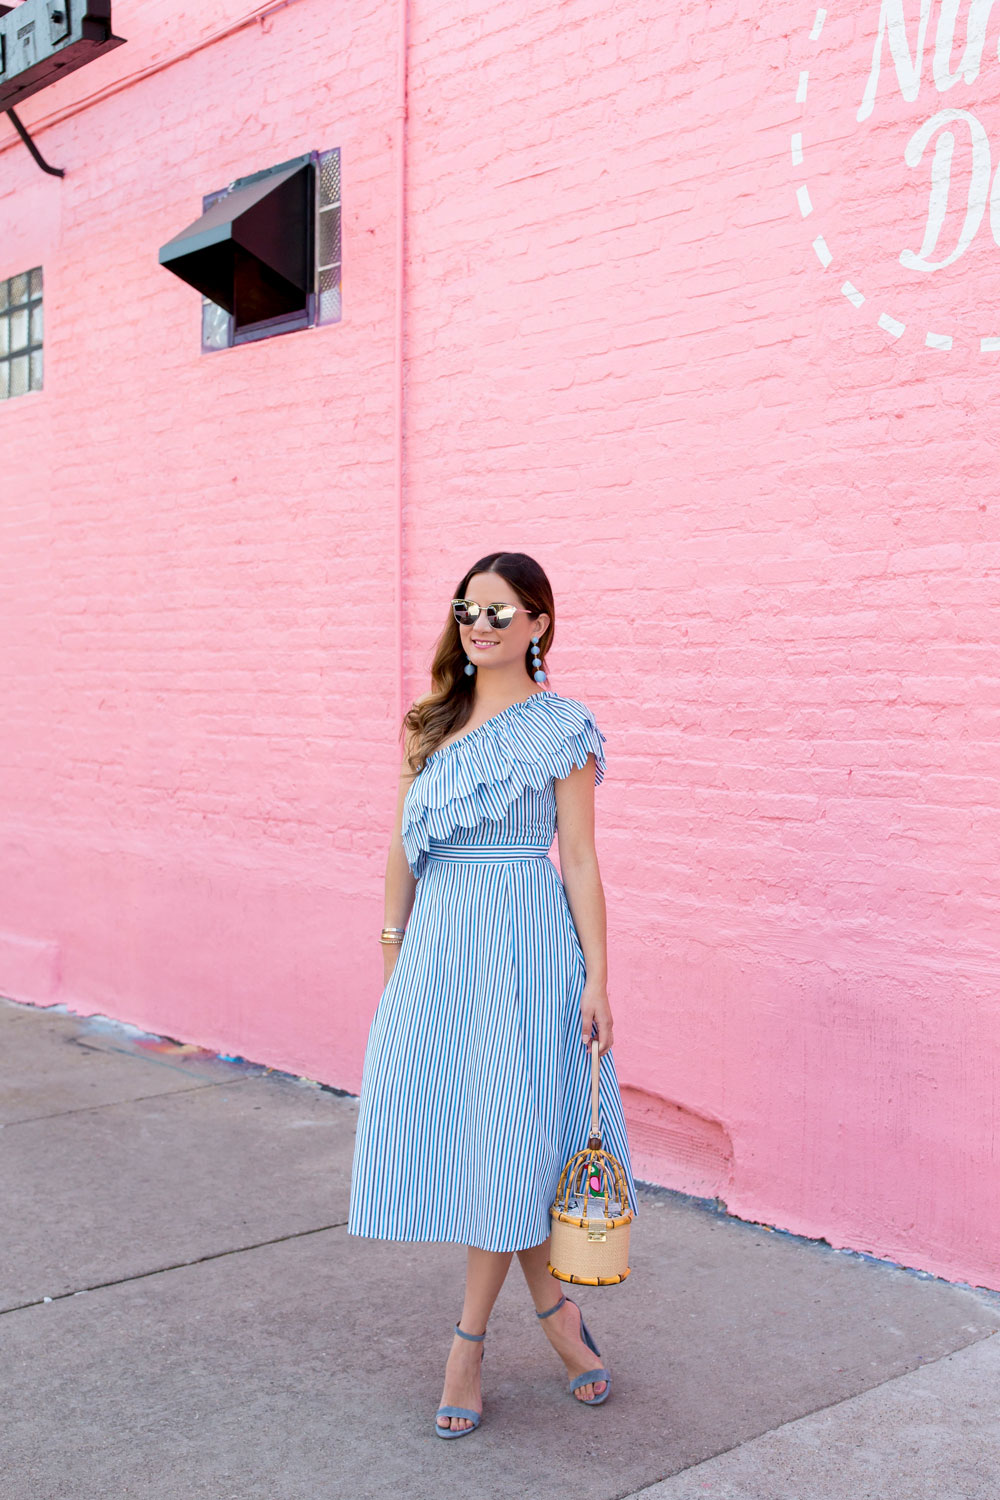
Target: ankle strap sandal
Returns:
[[475, 1417]]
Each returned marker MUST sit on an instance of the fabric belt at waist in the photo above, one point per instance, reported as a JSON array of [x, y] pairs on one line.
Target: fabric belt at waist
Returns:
[[487, 851]]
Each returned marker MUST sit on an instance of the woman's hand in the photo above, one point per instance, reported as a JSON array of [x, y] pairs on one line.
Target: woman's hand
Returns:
[[595, 1010]]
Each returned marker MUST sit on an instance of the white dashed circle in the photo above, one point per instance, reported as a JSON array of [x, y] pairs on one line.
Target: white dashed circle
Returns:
[[892, 326]]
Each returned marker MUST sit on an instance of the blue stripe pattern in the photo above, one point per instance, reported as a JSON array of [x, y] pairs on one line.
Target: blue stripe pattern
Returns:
[[476, 1083]]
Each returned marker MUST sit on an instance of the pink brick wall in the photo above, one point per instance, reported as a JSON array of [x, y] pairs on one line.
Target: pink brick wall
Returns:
[[770, 520]]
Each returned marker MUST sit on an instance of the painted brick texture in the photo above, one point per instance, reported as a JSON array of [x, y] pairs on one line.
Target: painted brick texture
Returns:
[[770, 522]]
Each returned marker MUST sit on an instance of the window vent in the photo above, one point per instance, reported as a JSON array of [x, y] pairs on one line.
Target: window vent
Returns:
[[328, 239], [265, 253]]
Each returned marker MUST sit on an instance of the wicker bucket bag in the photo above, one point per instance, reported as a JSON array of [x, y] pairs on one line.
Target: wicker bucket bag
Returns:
[[591, 1217]]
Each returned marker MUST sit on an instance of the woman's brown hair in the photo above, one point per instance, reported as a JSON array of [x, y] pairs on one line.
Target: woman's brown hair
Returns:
[[446, 708]]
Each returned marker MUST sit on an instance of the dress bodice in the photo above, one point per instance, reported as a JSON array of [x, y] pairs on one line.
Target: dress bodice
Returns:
[[496, 784]]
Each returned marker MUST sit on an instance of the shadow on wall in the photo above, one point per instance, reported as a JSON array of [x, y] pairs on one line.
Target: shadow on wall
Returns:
[[677, 1148]]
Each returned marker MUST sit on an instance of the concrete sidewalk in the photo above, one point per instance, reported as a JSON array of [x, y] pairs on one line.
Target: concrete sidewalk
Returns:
[[184, 1315]]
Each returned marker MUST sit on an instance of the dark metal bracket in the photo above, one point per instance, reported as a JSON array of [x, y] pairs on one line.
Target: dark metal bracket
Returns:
[[26, 138]]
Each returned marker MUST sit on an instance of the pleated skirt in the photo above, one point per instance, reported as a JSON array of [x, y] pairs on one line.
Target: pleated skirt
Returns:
[[476, 1082]]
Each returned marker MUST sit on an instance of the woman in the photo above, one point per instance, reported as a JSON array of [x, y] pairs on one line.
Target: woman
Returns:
[[476, 1078]]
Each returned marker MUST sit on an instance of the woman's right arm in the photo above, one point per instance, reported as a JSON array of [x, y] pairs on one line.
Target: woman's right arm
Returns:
[[400, 884]]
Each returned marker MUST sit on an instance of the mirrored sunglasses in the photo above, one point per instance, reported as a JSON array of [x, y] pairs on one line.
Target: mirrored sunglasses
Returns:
[[497, 615]]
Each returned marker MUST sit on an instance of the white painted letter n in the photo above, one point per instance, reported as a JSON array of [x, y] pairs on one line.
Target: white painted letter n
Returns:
[[892, 24]]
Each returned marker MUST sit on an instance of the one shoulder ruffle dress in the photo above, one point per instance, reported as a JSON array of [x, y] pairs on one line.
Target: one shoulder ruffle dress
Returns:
[[476, 1082]]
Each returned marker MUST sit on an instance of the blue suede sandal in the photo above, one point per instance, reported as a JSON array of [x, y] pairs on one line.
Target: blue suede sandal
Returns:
[[589, 1377], [475, 1417]]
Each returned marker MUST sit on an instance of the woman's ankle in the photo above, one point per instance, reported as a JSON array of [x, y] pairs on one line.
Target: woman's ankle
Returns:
[[551, 1302]]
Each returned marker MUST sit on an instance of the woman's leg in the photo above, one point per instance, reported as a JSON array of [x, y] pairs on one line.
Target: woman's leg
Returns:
[[484, 1276], [544, 1288], [563, 1327]]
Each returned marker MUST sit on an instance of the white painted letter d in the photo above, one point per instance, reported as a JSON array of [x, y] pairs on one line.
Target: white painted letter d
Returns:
[[937, 205]]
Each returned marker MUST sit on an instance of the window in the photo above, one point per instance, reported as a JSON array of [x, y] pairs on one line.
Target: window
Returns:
[[21, 334]]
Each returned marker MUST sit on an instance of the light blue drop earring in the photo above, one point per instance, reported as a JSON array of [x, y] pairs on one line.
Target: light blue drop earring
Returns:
[[470, 669], [536, 661]]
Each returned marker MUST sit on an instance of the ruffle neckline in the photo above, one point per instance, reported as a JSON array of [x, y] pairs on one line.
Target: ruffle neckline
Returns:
[[477, 777], [521, 703]]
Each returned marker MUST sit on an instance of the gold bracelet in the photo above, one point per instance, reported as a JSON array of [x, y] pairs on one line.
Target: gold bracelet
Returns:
[[391, 942]]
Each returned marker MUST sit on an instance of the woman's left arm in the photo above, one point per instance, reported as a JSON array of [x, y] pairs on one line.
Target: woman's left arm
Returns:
[[585, 895]]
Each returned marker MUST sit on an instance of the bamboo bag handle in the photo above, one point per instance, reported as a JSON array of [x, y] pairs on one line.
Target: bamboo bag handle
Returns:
[[594, 1144]]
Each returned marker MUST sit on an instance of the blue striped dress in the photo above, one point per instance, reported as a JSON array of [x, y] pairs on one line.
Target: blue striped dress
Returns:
[[476, 1083]]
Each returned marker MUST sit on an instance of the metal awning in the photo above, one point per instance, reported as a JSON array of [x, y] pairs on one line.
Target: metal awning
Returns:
[[251, 250]]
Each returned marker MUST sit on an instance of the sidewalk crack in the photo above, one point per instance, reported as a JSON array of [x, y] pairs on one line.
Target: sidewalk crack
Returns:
[[178, 1265], [86, 1109], [803, 1416]]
